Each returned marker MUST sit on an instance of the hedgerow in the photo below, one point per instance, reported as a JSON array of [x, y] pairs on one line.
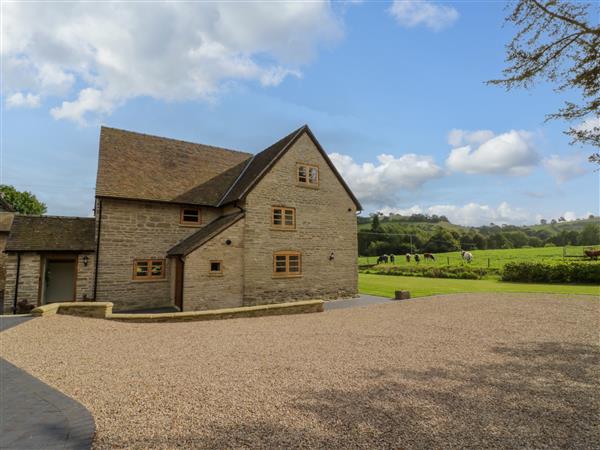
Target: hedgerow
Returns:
[[562, 272]]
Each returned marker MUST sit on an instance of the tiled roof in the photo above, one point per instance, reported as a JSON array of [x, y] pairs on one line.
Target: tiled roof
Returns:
[[51, 233], [263, 161], [258, 165], [139, 166], [204, 234]]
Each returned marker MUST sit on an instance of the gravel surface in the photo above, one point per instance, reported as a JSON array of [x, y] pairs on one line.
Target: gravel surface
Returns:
[[459, 371]]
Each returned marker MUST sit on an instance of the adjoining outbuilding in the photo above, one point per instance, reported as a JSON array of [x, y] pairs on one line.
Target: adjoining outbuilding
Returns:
[[49, 259]]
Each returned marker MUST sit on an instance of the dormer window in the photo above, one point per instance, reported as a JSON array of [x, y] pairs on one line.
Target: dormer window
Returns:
[[308, 175], [190, 215]]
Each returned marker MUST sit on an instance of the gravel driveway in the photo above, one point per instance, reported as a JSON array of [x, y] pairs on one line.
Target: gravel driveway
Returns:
[[460, 371]]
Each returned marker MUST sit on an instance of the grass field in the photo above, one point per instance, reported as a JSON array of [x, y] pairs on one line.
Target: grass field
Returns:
[[385, 285], [493, 258]]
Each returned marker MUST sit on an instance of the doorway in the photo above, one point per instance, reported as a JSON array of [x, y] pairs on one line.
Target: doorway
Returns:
[[59, 280]]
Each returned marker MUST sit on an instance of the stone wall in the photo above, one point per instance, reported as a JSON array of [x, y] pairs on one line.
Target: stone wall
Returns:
[[138, 230], [85, 277], [203, 290], [325, 223], [6, 219], [29, 275]]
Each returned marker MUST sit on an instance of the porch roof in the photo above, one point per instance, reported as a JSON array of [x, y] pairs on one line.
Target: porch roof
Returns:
[[204, 235]]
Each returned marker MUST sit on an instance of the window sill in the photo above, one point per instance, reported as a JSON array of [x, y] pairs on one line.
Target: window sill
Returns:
[[156, 280], [308, 186], [287, 276], [210, 274], [282, 229], [191, 225]]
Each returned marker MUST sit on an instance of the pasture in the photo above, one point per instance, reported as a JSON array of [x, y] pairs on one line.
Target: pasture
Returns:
[[493, 258], [385, 285]]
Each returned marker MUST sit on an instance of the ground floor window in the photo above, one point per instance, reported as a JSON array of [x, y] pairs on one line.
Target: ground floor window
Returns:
[[287, 264], [148, 269], [216, 267]]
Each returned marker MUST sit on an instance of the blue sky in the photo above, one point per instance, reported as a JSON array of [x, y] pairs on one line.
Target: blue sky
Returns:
[[400, 79]]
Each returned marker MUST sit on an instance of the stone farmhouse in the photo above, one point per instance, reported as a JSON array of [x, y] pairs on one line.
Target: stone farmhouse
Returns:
[[194, 226]]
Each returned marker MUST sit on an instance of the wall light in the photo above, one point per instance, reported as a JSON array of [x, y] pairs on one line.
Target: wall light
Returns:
[[85, 260]]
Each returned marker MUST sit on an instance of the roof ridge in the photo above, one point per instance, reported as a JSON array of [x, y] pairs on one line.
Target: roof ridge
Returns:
[[216, 147], [49, 216]]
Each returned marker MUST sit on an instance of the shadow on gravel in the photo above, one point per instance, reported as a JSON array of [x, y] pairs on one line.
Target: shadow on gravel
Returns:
[[537, 395]]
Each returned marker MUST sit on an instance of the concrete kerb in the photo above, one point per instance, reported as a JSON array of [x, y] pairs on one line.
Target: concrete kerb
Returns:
[[103, 310]]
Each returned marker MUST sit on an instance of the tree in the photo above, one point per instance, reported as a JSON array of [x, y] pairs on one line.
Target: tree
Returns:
[[543, 221], [375, 226], [559, 42], [590, 235], [23, 202]]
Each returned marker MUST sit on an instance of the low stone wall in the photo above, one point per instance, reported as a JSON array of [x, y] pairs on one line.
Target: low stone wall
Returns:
[[311, 306], [103, 310], [99, 310]]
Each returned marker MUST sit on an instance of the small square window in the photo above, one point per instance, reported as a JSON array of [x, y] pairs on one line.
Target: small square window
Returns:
[[190, 216], [216, 267]]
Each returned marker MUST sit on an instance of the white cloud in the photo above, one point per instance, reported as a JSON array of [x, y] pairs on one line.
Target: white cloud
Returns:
[[471, 214], [510, 153], [379, 183], [565, 169], [412, 13], [170, 51], [589, 124], [18, 100], [89, 100]]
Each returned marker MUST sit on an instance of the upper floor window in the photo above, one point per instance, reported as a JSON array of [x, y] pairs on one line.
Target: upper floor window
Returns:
[[148, 269], [283, 218], [190, 215], [308, 175], [287, 264]]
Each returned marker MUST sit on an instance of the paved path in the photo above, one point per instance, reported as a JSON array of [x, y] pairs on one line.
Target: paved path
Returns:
[[8, 321], [33, 415], [361, 300]]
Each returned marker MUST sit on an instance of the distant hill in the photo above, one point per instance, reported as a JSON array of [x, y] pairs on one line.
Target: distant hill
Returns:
[[364, 224], [420, 233]]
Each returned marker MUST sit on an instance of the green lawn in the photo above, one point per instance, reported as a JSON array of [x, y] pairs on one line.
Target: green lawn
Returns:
[[495, 258], [385, 285]]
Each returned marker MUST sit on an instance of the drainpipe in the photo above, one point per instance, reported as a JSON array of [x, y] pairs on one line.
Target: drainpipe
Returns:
[[17, 284], [99, 212]]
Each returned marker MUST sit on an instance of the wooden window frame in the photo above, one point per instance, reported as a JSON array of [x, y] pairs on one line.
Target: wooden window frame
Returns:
[[287, 273], [190, 223], [150, 277], [214, 273], [283, 225], [308, 168]]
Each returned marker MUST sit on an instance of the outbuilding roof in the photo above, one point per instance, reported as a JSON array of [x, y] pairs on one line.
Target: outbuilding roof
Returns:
[[51, 233], [204, 235]]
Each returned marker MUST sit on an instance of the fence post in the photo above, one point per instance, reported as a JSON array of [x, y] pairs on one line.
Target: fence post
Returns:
[[488, 263], [448, 260]]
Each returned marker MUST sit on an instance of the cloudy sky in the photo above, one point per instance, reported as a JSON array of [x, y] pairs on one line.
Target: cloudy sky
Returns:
[[393, 90]]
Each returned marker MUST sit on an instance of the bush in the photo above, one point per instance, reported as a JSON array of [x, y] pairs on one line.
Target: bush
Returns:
[[456, 272], [563, 272]]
